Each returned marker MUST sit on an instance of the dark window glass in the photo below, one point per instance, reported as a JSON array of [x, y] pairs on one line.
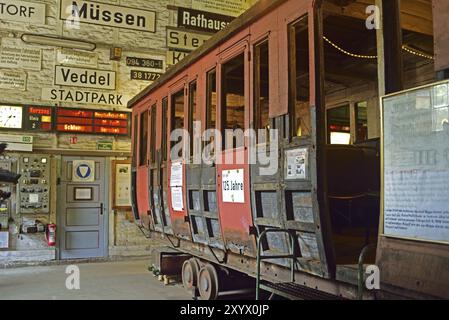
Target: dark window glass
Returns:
[[153, 135], [164, 127], [362, 121], [233, 98], [143, 139], [299, 78], [261, 89], [339, 125], [177, 112], [192, 112], [211, 103], [136, 138]]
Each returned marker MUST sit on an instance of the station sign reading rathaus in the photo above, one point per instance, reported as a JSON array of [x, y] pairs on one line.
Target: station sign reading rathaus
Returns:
[[75, 11]]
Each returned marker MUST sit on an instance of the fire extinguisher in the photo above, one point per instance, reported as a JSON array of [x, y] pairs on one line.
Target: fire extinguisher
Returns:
[[50, 234]]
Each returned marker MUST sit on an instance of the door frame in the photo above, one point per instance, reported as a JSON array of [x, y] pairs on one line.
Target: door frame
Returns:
[[60, 208]]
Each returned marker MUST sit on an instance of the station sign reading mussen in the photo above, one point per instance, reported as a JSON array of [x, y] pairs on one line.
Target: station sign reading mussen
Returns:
[[91, 12]]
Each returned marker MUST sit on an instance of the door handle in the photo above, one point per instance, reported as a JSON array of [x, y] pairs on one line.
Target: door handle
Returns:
[[101, 208]]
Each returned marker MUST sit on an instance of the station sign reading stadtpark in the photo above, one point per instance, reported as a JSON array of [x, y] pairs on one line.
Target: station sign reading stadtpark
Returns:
[[81, 96], [75, 11]]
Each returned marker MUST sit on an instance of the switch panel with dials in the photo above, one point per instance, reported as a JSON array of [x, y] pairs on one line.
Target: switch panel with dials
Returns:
[[33, 190]]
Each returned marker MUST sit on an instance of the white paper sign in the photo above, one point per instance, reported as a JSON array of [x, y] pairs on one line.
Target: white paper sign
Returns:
[[76, 58], [83, 171], [296, 163], [233, 186], [176, 174], [10, 79], [4, 239], [14, 55], [177, 201], [22, 11], [33, 198], [416, 164], [228, 7]]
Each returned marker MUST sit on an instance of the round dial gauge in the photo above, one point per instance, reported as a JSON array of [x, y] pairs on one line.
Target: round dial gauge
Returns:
[[11, 117]]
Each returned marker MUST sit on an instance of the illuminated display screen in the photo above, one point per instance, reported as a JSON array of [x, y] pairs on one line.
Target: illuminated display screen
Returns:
[[38, 118], [92, 121]]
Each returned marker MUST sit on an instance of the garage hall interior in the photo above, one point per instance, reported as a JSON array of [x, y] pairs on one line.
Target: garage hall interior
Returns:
[[356, 90]]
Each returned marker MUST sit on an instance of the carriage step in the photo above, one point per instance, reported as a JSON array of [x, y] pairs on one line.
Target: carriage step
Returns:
[[294, 291]]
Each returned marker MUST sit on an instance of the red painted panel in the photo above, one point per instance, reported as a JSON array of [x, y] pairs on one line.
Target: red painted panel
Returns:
[[142, 192], [236, 218]]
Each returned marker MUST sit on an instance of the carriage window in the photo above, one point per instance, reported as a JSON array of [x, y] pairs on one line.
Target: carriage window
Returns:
[[177, 112], [164, 127], [339, 125], [192, 112], [143, 139], [211, 109], [153, 135], [261, 87], [135, 138], [362, 121], [299, 78], [233, 95]]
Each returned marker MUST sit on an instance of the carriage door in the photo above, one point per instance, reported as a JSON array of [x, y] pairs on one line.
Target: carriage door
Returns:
[[83, 208], [233, 184]]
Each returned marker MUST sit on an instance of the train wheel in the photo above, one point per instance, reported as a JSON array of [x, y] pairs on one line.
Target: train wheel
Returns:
[[208, 282], [190, 270]]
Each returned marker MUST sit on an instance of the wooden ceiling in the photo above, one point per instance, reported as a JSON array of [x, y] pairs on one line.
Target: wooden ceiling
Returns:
[[344, 24], [416, 14]]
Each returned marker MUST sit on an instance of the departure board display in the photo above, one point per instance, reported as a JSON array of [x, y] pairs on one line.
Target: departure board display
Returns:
[[37, 118], [92, 121]]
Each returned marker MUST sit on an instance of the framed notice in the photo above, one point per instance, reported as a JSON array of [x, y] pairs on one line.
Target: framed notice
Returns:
[[415, 171], [82, 194], [121, 182]]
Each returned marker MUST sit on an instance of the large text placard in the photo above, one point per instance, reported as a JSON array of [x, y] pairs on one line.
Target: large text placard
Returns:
[[416, 164]]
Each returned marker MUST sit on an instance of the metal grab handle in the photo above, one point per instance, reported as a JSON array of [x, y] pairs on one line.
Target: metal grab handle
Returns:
[[360, 276], [101, 208], [259, 257]]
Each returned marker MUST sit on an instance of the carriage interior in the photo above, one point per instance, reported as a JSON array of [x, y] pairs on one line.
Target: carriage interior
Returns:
[[353, 115]]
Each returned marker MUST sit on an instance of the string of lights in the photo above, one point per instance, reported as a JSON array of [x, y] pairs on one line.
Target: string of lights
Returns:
[[361, 56]]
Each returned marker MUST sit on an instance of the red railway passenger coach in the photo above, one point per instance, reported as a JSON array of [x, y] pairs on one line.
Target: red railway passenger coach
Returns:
[[256, 155]]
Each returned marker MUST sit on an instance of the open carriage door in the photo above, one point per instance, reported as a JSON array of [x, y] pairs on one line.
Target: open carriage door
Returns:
[[178, 109], [233, 174], [299, 115]]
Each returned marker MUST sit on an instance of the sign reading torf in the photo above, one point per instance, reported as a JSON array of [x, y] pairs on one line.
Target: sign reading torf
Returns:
[[76, 11], [22, 11], [89, 78]]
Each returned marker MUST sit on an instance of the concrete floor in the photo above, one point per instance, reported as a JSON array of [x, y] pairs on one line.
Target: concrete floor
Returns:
[[98, 281]]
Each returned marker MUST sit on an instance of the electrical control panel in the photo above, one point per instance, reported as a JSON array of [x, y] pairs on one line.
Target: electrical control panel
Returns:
[[33, 190], [5, 192]]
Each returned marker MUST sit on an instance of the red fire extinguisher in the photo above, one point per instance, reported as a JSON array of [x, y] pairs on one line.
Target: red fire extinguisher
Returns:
[[50, 234]]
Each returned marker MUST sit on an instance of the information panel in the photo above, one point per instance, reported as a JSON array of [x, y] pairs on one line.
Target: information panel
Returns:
[[416, 164], [38, 118], [92, 121]]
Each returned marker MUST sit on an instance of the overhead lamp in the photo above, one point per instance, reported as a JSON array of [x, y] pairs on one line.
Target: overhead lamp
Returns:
[[58, 42]]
